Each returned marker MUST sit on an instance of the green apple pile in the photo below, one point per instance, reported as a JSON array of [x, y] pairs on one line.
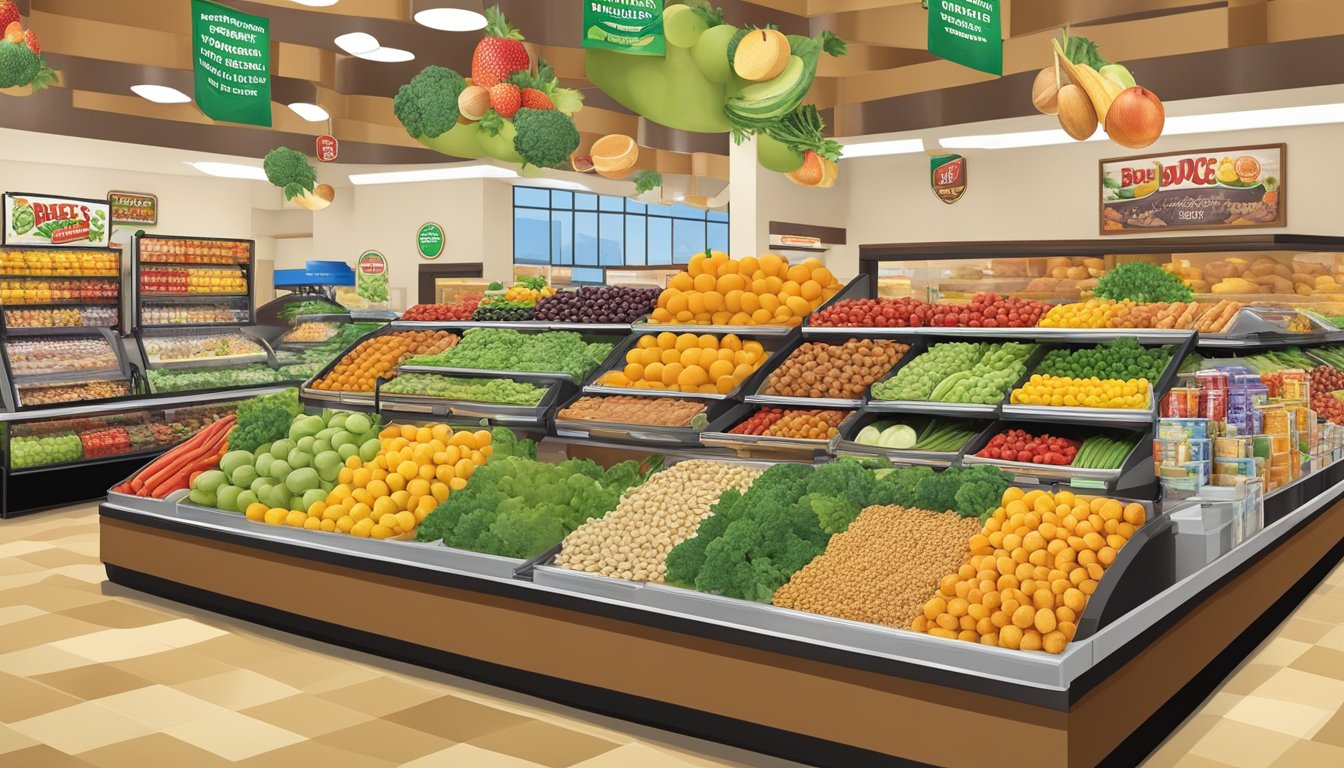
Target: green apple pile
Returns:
[[292, 472]]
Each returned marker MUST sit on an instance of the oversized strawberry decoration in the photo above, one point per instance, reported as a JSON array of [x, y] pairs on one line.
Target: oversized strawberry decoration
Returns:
[[9, 13], [500, 54]]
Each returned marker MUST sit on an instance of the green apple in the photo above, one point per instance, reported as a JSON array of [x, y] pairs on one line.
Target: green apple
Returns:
[[710, 53], [1118, 73]]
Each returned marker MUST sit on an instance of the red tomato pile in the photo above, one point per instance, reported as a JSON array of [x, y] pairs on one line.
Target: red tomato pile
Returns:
[[443, 312], [1020, 445], [1325, 380], [758, 422], [985, 310], [105, 442]]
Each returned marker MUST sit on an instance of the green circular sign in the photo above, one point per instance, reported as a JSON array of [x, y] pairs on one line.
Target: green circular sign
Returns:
[[429, 240]]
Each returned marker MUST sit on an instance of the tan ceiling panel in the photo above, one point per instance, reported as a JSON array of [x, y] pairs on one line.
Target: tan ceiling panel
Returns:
[[372, 9], [1036, 15], [898, 26], [115, 42], [304, 63], [1303, 19]]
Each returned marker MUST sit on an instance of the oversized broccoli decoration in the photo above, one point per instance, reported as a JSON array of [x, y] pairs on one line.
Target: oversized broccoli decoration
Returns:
[[289, 170], [510, 111], [21, 60]]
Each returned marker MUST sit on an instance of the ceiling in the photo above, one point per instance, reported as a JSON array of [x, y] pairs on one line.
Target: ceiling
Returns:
[[888, 83]]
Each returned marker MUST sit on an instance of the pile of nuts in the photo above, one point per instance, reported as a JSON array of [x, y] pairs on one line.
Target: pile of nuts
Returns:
[[880, 571], [632, 541], [69, 393], [627, 409], [822, 369], [796, 423]]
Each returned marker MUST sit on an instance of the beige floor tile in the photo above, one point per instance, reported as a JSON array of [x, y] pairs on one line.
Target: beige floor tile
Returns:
[[1195, 761], [1280, 651], [1248, 677], [180, 633], [159, 706], [233, 736], [55, 557], [385, 740], [110, 645], [308, 715], [80, 728], [544, 743], [23, 698], [1322, 608], [11, 740], [1219, 703], [1333, 639], [93, 681], [1306, 630], [39, 660], [152, 751], [458, 719], [12, 566], [629, 755], [1310, 754], [13, 613], [43, 756], [240, 649], [24, 547], [1333, 731], [173, 667], [1304, 688], [47, 597], [306, 670], [1326, 662], [379, 696], [1178, 744], [237, 689], [463, 755], [352, 674], [1241, 745], [117, 614], [1281, 716], [314, 753], [41, 630]]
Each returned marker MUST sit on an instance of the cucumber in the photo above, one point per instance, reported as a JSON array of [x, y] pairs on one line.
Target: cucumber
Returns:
[[947, 384]]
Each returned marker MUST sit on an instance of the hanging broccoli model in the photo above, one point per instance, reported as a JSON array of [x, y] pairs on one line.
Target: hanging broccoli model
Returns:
[[289, 170], [21, 60]]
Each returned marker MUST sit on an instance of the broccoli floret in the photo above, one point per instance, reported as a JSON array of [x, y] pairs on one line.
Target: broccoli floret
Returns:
[[937, 492], [289, 169], [506, 443], [835, 513], [527, 531], [427, 106], [981, 490], [546, 137], [18, 64]]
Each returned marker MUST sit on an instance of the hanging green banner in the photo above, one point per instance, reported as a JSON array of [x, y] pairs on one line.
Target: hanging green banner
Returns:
[[626, 26], [231, 53], [967, 32]]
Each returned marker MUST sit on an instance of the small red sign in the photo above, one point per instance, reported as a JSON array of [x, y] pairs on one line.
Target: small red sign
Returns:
[[948, 177], [327, 149]]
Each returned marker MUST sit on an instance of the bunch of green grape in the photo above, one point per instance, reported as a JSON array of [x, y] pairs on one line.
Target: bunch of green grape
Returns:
[[919, 377], [988, 381]]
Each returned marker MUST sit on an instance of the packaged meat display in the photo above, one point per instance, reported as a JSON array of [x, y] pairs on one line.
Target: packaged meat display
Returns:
[[48, 355], [204, 347]]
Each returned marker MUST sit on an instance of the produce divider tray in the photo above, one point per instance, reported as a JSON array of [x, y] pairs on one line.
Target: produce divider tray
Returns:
[[227, 361], [765, 443], [719, 415], [919, 346], [846, 446], [1141, 453], [1070, 414], [759, 397], [331, 317], [499, 412], [520, 325], [544, 377]]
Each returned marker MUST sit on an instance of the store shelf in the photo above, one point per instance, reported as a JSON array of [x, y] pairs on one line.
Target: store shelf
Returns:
[[544, 376], [522, 325], [189, 297], [965, 410], [166, 400], [1072, 415], [146, 453]]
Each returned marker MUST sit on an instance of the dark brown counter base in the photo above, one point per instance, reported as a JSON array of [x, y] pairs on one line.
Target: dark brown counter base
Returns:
[[772, 702]]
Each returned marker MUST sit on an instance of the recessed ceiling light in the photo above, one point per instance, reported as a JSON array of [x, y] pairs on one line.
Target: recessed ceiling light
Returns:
[[230, 170], [160, 94], [450, 19], [877, 148], [433, 174], [310, 112], [357, 43], [386, 54], [316, 3]]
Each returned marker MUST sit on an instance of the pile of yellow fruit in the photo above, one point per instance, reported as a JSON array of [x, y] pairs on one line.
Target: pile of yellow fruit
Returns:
[[688, 363], [58, 264], [1083, 393], [1093, 313], [718, 290], [416, 469], [1031, 570], [525, 295]]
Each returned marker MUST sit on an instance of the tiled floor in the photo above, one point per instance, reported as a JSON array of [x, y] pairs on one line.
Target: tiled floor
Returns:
[[95, 675]]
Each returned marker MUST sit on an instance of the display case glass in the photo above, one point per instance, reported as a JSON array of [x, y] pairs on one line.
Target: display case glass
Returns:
[[65, 365]]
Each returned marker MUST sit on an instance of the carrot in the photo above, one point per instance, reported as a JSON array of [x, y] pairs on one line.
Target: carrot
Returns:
[[172, 455], [186, 475], [194, 448]]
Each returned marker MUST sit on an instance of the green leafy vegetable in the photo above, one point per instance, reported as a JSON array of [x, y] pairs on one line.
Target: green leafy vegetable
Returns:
[[802, 130], [1143, 282], [647, 181], [546, 137], [427, 106], [289, 169], [264, 419], [502, 349], [309, 307], [1080, 50]]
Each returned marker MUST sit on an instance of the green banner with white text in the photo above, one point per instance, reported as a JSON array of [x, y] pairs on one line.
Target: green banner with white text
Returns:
[[626, 26], [231, 53], [968, 32]]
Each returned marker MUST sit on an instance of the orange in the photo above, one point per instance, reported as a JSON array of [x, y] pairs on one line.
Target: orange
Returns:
[[762, 317], [653, 372], [667, 340], [692, 377], [670, 356], [759, 286], [790, 288], [696, 266], [686, 341], [678, 303], [613, 379], [721, 318], [732, 301], [773, 284], [742, 372], [691, 357], [671, 373], [681, 282], [695, 303], [741, 318], [797, 305], [810, 290], [770, 302], [707, 358], [634, 371], [799, 273], [713, 301], [748, 266], [772, 264], [724, 384], [632, 356], [720, 368], [705, 282], [731, 282], [751, 301], [646, 341], [650, 356], [727, 268], [751, 345]]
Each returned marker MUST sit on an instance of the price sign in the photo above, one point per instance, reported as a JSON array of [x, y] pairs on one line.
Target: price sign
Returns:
[[327, 149]]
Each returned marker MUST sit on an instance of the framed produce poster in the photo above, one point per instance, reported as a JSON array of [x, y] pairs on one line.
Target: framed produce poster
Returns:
[[73, 222], [134, 208], [1227, 188]]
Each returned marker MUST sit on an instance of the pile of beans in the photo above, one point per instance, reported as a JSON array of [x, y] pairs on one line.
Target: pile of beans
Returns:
[[880, 571], [627, 409], [821, 369], [798, 423], [1031, 570], [632, 541]]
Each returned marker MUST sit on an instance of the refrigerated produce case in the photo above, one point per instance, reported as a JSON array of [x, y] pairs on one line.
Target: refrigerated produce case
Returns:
[[191, 281], [58, 287], [1175, 612]]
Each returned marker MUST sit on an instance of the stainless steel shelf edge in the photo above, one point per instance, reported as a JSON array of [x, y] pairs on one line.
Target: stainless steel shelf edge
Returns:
[[1072, 414], [765, 442], [230, 361], [914, 457], [1032, 333], [928, 406], [804, 402], [487, 372], [521, 325], [152, 401], [598, 389]]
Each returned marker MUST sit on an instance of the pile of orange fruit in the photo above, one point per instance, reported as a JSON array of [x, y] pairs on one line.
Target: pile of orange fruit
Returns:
[[688, 363], [718, 290], [415, 471], [380, 356], [56, 263]]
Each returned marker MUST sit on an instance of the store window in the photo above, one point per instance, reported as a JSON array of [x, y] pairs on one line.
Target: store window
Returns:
[[590, 234]]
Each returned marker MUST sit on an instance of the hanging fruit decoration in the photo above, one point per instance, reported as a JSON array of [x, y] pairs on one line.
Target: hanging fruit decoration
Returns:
[[718, 78], [507, 110], [290, 170], [21, 59], [1084, 91]]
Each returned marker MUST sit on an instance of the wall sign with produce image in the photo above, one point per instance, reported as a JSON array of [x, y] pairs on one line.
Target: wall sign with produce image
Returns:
[[429, 240], [371, 277], [45, 220], [1227, 188], [628, 26], [134, 208]]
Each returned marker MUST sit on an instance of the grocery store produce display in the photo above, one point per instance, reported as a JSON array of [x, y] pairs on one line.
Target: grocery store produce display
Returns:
[[48, 355], [629, 409], [184, 282], [718, 290], [516, 506], [589, 304], [937, 435], [309, 332], [170, 380], [294, 309], [501, 391], [1031, 570], [27, 452], [72, 317], [1115, 374], [193, 251], [1209, 316], [958, 372], [516, 304], [503, 349], [70, 393], [1104, 452], [1022, 446], [1143, 282], [687, 363], [632, 541], [1066, 391], [59, 263], [795, 423], [61, 441], [191, 314], [316, 357], [824, 369], [985, 310], [203, 347], [175, 469], [378, 357], [28, 290], [882, 568], [440, 313]]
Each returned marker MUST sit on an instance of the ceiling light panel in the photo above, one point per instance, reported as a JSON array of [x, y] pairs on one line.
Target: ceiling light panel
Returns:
[[878, 148], [316, 3], [387, 55], [357, 43], [450, 19], [310, 112], [230, 170], [160, 94], [433, 174]]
